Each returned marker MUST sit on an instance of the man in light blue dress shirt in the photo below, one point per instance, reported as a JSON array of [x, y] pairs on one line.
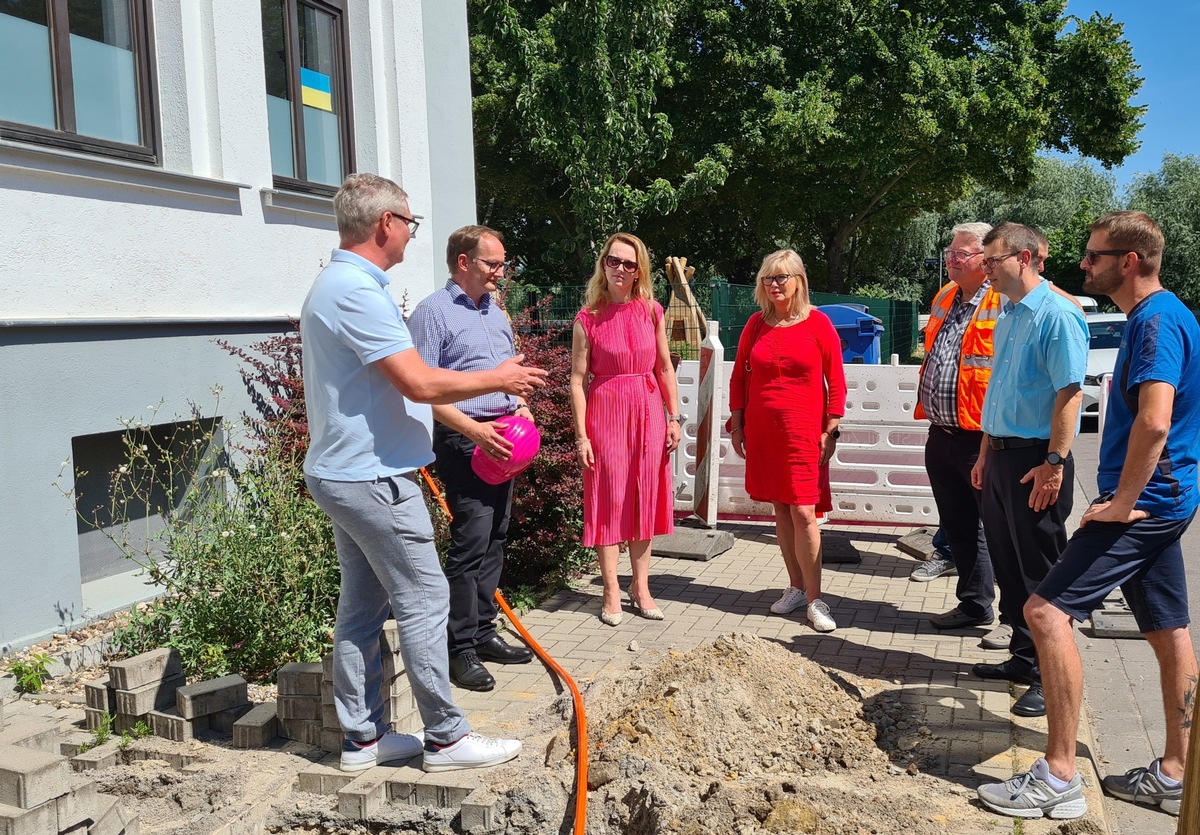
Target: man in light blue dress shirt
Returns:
[[1030, 418]]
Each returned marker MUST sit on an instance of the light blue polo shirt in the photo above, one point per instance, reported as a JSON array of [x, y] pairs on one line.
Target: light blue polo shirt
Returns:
[[360, 426], [1041, 347]]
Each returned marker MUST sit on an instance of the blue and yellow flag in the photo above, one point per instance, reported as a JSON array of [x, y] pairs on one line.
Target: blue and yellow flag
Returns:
[[315, 90]]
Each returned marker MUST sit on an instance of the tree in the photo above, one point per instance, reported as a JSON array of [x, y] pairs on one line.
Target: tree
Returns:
[[1172, 197], [728, 128]]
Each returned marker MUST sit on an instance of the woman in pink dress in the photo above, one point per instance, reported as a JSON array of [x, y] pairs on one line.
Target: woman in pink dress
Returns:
[[622, 379], [786, 397]]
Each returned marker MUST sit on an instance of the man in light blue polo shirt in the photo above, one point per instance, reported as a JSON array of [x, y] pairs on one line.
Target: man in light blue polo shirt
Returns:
[[1030, 418], [462, 327], [365, 390]]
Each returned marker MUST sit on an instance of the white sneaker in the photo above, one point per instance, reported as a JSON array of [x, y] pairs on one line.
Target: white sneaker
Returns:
[[819, 617], [472, 751], [792, 599], [388, 748]]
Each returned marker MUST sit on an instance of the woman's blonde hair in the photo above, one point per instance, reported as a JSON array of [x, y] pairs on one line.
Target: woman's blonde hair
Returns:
[[784, 262], [596, 296]]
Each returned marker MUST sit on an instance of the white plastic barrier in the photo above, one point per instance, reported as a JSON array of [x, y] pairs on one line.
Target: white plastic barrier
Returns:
[[878, 472]]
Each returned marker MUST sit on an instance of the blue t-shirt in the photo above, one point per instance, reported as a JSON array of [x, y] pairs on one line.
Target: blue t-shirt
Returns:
[[1161, 343], [360, 426]]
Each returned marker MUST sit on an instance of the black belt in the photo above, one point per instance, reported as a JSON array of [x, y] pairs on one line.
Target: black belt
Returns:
[[1014, 443]]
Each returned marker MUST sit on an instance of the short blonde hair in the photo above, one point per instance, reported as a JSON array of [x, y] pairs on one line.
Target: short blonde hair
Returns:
[[596, 295], [1136, 232], [784, 262]]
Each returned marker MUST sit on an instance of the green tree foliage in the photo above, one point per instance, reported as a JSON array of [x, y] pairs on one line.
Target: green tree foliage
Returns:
[[724, 130], [1172, 197]]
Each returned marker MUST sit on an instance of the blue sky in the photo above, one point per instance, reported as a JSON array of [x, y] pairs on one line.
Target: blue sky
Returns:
[[1164, 38]]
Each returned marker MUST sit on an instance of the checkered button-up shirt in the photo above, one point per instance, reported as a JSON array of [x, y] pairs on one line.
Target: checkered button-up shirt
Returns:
[[939, 381]]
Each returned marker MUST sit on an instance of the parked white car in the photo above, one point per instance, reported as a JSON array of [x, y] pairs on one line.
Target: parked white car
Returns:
[[1105, 331]]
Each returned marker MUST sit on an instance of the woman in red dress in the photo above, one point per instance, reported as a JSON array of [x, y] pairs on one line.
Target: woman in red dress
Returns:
[[622, 379], [786, 397]]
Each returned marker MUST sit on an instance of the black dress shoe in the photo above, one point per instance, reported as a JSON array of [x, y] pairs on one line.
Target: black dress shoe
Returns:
[[956, 618], [1010, 670], [495, 649], [1032, 703], [467, 672]]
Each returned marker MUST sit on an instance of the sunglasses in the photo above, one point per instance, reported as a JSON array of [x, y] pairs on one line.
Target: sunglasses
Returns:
[[615, 263]]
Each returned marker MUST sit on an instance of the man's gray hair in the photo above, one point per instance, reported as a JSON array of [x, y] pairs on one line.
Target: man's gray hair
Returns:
[[977, 230], [360, 202]]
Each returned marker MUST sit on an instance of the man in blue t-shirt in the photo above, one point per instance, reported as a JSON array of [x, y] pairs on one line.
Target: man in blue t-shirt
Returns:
[[1129, 537]]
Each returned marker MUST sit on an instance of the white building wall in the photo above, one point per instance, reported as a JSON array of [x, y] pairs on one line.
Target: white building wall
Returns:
[[203, 245]]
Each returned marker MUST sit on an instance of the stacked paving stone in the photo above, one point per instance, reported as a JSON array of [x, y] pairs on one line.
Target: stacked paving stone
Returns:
[[150, 688], [39, 794], [306, 710]]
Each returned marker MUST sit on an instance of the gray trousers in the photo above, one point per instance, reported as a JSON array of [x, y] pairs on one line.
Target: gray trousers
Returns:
[[389, 564]]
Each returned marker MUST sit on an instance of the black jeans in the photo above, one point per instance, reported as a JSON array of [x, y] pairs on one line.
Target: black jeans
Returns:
[[1024, 543], [949, 457], [478, 533]]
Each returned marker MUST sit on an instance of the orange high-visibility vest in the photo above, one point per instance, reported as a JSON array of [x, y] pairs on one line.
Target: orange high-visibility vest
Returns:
[[975, 356]]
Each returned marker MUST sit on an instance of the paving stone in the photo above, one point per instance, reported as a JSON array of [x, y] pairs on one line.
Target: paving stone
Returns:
[[78, 805], [212, 696], [168, 724], [301, 730], [157, 695], [37, 733], [323, 778], [100, 695], [100, 757], [124, 723], [693, 544], [71, 743], [94, 719], [389, 637], [224, 720], [446, 790], [29, 778], [331, 740], [131, 673], [113, 819], [38, 821], [297, 679], [299, 707], [327, 667], [480, 812], [364, 796], [402, 787], [257, 728]]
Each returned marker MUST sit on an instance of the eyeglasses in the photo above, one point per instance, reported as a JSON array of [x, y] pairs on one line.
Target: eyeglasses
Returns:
[[776, 279], [989, 264], [956, 255], [413, 222], [493, 266], [1090, 255], [615, 263]]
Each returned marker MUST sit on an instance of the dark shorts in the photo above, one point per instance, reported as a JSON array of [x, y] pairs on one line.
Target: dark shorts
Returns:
[[1143, 558]]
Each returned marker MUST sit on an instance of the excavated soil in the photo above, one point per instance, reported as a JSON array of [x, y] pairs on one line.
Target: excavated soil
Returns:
[[736, 737]]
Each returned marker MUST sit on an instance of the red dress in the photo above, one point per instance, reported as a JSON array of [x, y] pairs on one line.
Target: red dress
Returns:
[[796, 379], [627, 495]]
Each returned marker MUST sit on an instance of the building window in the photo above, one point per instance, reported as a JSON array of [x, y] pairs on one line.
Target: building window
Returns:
[[77, 74], [308, 93]]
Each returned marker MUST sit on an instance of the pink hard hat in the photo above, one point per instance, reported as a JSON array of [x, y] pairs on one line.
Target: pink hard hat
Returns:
[[526, 441]]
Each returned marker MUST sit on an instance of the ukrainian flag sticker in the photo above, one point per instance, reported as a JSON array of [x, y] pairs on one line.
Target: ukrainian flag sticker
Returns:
[[315, 90]]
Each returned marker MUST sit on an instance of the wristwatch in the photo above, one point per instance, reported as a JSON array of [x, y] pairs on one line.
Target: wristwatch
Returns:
[[835, 433], [1054, 459]]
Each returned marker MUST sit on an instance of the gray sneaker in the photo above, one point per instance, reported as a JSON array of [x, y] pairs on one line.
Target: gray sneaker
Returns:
[[1144, 785], [933, 569], [1029, 795], [998, 638]]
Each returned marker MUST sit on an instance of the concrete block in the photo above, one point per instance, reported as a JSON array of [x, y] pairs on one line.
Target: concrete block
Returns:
[[298, 679], [176, 759], [446, 789], [327, 667], [93, 718], [157, 695], [918, 543], [331, 740], [257, 728], [402, 784], [693, 544], [389, 637], [212, 696], [837, 548], [100, 757], [299, 707], [364, 796], [329, 717], [302, 730], [223, 721], [323, 778], [29, 778], [100, 695], [409, 723], [327, 693], [78, 805], [124, 723], [38, 821], [168, 724], [393, 666], [113, 819], [71, 743], [131, 673], [480, 812], [36, 733]]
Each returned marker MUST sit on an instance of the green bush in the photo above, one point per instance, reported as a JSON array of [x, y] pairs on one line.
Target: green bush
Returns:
[[31, 673]]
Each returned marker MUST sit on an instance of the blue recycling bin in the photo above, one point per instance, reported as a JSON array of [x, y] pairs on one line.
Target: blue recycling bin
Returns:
[[858, 330]]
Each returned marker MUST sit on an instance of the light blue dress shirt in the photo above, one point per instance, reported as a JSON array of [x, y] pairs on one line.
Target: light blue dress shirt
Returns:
[[360, 426], [1041, 348]]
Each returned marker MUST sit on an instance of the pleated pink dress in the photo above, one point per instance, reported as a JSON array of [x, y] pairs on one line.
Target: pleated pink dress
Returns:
[[628, 495]]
